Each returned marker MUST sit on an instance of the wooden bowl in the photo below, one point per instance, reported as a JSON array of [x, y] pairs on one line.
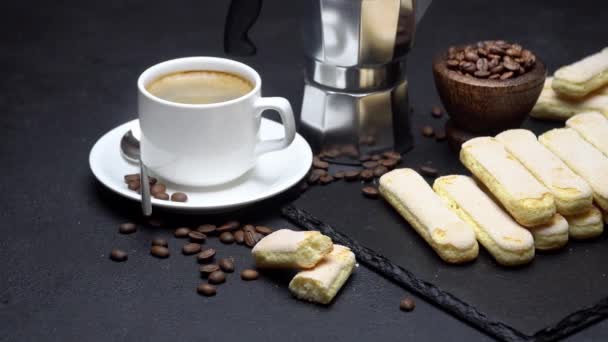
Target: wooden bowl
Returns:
[[487, 106]]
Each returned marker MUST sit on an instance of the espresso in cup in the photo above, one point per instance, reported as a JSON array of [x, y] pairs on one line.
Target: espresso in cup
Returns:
[[199, 87]]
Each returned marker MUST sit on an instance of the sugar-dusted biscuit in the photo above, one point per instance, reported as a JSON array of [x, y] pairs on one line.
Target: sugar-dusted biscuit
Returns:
[[581, 78], [525, 198], [572, 194], [586, 225], [593, 127], [552, 235], [508, 242], [291, 249], [551, 106], [451, 238], [321, 283], [582, 158]]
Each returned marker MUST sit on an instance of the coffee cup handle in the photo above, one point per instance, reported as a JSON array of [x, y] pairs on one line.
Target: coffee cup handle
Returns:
[[283, 107]]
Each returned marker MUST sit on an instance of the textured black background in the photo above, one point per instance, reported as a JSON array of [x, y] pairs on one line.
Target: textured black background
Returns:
[[67, 75]]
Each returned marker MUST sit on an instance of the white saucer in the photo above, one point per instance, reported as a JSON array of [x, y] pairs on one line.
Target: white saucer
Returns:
[[273, 173]]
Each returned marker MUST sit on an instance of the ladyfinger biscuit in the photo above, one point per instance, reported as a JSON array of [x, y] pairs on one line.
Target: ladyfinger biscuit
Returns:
[[582, 158], [572, 194], [451, 238], [581, 78], [552, 235], [525, 198], [508, 242], [593, 127], [291, 249], [321, 283], [586, 225], [551, 106]]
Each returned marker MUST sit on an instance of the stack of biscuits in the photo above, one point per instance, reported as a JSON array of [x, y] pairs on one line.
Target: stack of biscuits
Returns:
[[322, 266], [575, 88], [526, 193]]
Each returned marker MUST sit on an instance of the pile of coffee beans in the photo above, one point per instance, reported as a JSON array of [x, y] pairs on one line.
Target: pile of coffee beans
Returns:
[[157, 189], [491, 59], [215, 272]]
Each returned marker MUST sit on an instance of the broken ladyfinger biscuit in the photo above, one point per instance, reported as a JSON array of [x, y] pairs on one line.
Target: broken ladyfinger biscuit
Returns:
[[321, 283], [509, 243], [525, 198], [582, 158], [583, 77], [451, 238], [551, 106], [291, 249], [552, 235], [572, 194], [593, 127], [586, 225]]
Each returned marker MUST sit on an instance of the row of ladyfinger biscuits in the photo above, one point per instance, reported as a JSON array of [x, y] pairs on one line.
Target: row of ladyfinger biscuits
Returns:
[[324, 267], [533, 180], [582, 86]]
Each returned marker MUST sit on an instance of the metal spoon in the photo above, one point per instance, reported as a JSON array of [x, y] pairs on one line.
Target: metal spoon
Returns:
[[129, 148]]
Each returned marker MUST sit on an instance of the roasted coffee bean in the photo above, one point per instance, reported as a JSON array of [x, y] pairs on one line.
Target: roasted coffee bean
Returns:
[[460, 55], [338, 175], [389, 163], [118, 255], [181, 232], [427, 131], [191, 248], [158, 188], [217, 277], [320, 172], [134, 185], [332, 153], [206, 290], [513, 52], [349, 150], [152, 180], [207, 229], [376, 157], [428, 171], [436, 111], [407, 304], [495, 49], [196, 236], [370, 192], [320, 164], [482, 74], [352, 175], [452, 63], [392, 155], [370, 164], [179, 197], [365, 157], [132, 177], [160, 251], [493, 63], [249, 228], [229, 226], [250, 238], [226, 264], [440, 135], [127, 228], [206, 270], [494, 77], [249, 274], [313, 178], [471, 56], [263, 230], [160, 242], [506, 75], [482, 64], [469, 67], [497, 69], [227, 237], [367, 175], [380, 170], [510, 64], [206, 255], [239, 236], [324, 180], [161, 196]]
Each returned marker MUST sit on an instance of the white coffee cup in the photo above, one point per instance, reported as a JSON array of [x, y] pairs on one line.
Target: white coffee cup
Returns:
[[206, 144]]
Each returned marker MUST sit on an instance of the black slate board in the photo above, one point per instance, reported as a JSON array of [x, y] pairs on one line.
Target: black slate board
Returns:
[[527, 298]]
